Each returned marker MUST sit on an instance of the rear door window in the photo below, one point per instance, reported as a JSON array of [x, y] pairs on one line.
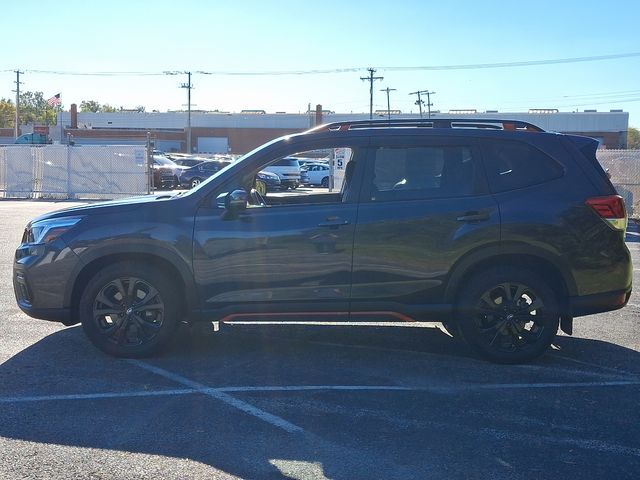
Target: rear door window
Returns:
[[413, 173], [513, 165]]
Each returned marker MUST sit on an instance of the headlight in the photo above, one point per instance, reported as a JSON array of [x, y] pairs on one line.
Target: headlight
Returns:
[[45, 231]]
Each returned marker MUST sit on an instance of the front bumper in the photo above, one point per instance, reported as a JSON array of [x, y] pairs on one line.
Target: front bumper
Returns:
[[287, 182], [42, 275]]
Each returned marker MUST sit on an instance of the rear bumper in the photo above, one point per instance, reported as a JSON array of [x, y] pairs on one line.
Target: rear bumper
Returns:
[[601, 302]]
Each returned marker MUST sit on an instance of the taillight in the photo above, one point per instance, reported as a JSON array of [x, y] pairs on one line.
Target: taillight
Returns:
[[610, 208]]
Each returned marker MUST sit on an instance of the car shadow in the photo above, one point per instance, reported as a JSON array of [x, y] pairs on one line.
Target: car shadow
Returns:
[[204, 430]]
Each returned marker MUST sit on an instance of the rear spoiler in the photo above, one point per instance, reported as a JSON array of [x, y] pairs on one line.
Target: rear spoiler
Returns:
[[588, 147]]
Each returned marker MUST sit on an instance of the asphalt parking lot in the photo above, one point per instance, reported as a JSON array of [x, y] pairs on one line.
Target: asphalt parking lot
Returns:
[[314, 402]]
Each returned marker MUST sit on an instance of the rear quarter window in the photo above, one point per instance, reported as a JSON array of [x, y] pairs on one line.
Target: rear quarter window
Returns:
[[514, 165]]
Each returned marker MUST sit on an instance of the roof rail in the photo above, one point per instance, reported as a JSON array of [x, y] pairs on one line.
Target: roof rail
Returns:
[[484, 123]]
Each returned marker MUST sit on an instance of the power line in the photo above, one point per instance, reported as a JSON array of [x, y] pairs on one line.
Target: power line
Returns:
[[472, 66], [98, 74]]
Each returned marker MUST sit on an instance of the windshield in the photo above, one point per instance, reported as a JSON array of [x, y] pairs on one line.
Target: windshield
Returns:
[[164, 161], [235, 164]]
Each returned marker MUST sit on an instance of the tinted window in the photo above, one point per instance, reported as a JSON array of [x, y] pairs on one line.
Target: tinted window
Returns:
[[286, 162], [512, 165], [164, 161], [422, 172]]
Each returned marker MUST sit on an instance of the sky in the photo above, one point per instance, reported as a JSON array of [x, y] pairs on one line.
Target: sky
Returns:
[[285, 55]]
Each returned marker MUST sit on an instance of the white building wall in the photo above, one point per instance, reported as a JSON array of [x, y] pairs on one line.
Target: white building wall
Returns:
[[557, 122]]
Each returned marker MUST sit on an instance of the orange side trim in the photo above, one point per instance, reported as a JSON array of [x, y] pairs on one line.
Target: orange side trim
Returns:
[[396, 315]]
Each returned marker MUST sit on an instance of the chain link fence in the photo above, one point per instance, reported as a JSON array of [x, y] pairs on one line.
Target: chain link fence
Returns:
[[86, 172], [107, 171], [624, 168]]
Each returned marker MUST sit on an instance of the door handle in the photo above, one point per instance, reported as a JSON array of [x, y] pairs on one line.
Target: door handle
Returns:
[[333, 222], [473, 217]]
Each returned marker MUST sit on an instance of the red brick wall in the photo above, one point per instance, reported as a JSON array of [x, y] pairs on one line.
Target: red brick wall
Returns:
[[6, 132], [611, 140]]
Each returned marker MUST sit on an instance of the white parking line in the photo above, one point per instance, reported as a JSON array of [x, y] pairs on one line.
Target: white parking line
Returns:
[[96, 396], [517, 386], [302, 388], [221, 392], [215, 393]]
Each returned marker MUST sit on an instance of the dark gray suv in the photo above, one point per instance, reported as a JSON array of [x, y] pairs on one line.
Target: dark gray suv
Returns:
[[498, 229]]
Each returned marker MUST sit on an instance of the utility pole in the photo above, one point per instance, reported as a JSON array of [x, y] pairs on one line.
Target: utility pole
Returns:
[[388, 103], [420, 102], [17, 90], [188, 86], [371, 79], [429, 104]]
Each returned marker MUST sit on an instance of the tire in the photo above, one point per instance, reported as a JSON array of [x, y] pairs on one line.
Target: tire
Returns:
[[508, 315], [325, 182], [118, 317], [195, 182]]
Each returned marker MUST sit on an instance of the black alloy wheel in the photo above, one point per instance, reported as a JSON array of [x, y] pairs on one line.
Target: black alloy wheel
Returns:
[[128, 312], [508, 315]]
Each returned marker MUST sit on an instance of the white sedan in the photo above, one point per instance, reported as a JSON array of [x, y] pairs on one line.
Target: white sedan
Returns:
[[315, 174]]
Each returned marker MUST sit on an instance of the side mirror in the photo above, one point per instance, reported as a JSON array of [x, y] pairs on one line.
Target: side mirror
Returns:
[[233, 202]]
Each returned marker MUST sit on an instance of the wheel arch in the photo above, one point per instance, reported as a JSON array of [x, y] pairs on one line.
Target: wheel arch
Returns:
[[184, 283], [551, 268]]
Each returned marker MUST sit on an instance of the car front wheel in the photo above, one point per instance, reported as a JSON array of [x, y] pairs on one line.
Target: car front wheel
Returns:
[[129, 310], [195, 182], [508, 315]]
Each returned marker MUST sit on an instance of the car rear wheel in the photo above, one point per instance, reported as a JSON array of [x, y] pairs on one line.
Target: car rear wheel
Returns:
[[195, 182], [129, 310], [508, 315], [325, 182]]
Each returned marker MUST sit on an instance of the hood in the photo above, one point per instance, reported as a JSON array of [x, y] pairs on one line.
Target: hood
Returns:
[[126, 204]]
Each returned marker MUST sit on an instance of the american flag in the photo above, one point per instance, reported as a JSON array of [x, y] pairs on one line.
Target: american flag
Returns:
[[55, 100]]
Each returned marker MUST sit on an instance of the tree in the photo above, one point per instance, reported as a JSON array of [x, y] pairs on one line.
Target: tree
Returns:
[[633, 138], [7, 113], [35, 109], [90, 106], [95, 107]]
